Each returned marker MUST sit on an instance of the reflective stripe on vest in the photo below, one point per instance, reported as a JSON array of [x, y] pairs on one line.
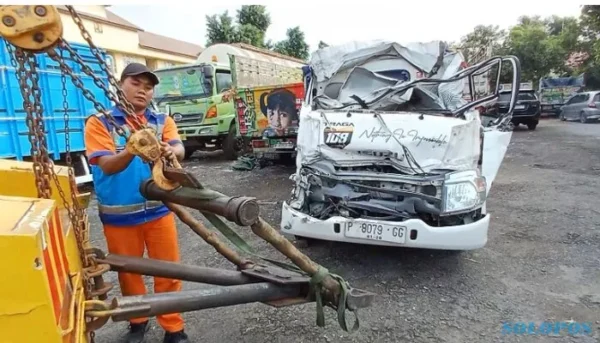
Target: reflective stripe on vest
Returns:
[[127, 209]]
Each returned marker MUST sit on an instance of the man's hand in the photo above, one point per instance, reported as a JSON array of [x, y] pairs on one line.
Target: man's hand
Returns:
[[167, 151], [170, 152]]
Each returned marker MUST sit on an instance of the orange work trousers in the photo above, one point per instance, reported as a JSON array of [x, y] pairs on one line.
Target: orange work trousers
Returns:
[[160, 238]]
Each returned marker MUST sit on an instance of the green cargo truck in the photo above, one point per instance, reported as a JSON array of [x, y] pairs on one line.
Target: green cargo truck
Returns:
[[198, 97], [192, 95]]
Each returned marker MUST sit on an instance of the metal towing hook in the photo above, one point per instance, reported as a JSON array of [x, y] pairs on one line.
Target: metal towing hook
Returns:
[[277, 285]]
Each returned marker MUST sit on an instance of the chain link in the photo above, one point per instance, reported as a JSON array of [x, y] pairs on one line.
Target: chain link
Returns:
[[25, 66], [98, 82], [86, 92], [128, 107], [46, 163], [19, 59]]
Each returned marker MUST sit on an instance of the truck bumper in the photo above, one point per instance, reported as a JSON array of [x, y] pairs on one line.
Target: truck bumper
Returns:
[[417, 234], [199, 131]]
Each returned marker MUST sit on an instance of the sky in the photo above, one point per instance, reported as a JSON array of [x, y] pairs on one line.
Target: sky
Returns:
[[337, 22]]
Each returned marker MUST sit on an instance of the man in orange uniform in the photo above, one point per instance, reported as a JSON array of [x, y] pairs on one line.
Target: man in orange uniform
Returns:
[[132, 223]]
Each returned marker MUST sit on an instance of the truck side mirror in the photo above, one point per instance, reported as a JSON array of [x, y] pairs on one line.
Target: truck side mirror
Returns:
[[208, 71]]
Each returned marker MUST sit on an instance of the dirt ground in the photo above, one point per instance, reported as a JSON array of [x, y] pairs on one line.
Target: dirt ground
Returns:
[[541, 262]]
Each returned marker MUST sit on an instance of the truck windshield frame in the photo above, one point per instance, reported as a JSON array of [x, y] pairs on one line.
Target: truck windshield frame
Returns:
[[181, 83]]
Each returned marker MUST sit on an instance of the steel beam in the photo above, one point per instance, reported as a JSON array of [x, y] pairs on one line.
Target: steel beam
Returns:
[[129, 307], [172, 270], [241, 210]]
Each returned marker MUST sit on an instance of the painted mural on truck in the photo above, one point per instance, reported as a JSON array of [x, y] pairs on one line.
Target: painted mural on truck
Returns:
[[269, 111]]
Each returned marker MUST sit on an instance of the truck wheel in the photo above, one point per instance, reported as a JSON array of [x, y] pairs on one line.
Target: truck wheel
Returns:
[[231, 144], [561, 116], [189, 152], [532, 125]]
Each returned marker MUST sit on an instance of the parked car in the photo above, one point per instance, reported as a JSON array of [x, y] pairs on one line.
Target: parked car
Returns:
[[582, 106], [527, 110]]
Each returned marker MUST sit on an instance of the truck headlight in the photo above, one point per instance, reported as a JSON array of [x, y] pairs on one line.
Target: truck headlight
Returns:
[[463, 191]]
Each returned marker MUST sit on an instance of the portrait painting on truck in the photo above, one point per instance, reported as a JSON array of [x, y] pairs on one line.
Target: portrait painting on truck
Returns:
[[269, 111]]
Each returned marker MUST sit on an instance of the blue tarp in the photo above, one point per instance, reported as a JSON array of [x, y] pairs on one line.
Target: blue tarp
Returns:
[[572, 81]]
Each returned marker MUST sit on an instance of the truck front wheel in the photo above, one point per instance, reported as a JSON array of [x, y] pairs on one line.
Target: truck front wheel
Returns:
[[189, 151], [231, 143]]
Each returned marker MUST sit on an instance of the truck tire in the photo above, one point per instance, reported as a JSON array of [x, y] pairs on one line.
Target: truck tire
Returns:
[[231, 144], [532, 125], [189, 152]]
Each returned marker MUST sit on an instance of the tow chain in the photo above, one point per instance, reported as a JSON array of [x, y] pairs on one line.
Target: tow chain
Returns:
[[21, 60], [18, 61], [27, 75]]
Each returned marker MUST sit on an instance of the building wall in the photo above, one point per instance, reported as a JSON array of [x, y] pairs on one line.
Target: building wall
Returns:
[[121, 43]]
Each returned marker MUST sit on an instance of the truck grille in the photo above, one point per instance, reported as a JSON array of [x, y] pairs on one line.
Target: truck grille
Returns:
[[190, 119]]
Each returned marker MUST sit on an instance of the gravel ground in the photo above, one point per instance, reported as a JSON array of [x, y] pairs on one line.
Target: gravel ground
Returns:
[[541, 262]]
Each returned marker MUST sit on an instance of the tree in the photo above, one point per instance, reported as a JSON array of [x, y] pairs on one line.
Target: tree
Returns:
[[294, 45], [322, 44], [249, 34], [482, 43], [531, 43], [255, 15], [590, 45], [252, 24], [219, 29]]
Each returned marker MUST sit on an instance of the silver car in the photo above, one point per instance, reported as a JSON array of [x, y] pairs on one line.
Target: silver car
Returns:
[[584, 107]]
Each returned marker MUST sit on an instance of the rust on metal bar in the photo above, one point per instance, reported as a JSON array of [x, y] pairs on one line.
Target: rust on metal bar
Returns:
[[284, 246], [208, 236]]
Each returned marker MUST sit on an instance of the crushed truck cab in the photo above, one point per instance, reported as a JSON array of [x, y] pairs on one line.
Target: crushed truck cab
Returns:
[[390, 153]]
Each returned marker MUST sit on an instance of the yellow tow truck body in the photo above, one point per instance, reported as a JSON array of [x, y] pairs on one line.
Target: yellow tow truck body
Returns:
[[41, 296]]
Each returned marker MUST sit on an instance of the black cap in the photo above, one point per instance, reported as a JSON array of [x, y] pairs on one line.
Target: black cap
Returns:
[[135, 69]]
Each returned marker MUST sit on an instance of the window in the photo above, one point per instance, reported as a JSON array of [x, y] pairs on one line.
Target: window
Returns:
[[581, 98], [526, 96], [224, 80], [522, 96], [597, 98], [98, 28], [181, 82], [127, 60], [110, 62]]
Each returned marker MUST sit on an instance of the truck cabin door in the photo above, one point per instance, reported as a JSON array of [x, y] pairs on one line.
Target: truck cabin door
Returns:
[[223, 83]]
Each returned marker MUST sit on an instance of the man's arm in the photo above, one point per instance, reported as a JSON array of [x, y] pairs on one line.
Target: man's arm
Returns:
[[101, 149], [171, 137]]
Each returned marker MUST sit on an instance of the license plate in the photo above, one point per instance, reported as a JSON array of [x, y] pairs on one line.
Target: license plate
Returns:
[[375, 231], [284, 145], [520, 107], [182, 136]]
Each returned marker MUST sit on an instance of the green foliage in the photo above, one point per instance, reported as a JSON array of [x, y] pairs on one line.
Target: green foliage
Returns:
[[249, 34], [219, 29], [590, 28], [481, 44], [254, 15], [252, 22], [538, 51], [294, 45]]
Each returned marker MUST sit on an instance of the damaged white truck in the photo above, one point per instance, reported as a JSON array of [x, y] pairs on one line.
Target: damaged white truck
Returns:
[[390, 153]]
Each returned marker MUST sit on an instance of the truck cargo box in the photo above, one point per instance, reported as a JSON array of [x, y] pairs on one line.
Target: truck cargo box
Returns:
[[14, 142]]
